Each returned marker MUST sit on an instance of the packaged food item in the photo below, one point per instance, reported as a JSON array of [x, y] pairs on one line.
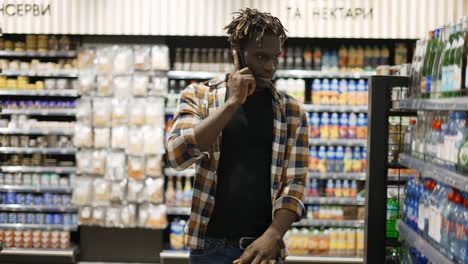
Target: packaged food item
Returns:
[[82, 193], [115, 166], [128, 215], [85, 215], [135, 142], [86, 83], [154, 112], [152, 216], [154, 190], [153, 166], [153, 140], [102, 109], [98, 162], [104, 58], [104, 85], [136, 167], [117, 192], [122, 60], [119, 112], [134, 191], [119, 137], [84, 161], [101, 193], [98, 215], [142, 59], [160, 57], [83, 136], [113, 216], [84, 111], [140, 84], [122, 86], [102, 137], [137, 108], [160, 85]]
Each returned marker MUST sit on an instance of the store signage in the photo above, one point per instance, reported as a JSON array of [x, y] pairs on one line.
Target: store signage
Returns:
[[343, 13], [20, 10]]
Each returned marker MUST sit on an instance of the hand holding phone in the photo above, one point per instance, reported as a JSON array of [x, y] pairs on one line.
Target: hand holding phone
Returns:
[[241, 81]]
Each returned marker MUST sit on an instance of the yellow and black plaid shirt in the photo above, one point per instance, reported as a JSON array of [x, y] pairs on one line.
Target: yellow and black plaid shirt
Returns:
[[289, 156]]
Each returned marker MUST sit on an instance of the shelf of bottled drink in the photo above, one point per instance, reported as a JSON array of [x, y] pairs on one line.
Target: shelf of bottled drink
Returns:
[[445, 104]]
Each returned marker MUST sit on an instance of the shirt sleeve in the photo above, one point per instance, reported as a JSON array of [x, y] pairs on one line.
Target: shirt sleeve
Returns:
[[292, 194], [181, 145]]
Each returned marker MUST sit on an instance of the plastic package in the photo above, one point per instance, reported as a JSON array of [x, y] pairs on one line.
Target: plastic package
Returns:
[[86, 83], [154, 190], [154, 112], [153, 138], [152, 216], [83, 136], [142, 59], [119, 112], [135, 141], [84, 161], [128, 215], [122, 86], [82, 193], [84, 111], [113, 216], [136, 167], [160, 57], [140, 84], [85, 215], [101, 112], [117, 192], [104, 85], [101, 137], [119, 137], [153, 166], [98, 215], [101, 191], [104, 58], [99, 162], [160, 86], [137, 112], [115, 166], [123, 60], [134, 189]]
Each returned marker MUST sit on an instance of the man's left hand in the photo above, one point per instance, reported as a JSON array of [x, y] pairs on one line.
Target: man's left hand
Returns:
[[261, 251]]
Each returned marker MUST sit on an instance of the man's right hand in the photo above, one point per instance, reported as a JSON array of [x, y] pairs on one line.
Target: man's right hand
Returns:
[[241, 83]]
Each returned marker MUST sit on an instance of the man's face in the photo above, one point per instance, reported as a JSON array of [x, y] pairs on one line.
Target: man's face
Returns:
[[262, 58]]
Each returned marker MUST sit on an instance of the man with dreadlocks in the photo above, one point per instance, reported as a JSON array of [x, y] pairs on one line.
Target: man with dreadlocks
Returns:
[[249, 142]]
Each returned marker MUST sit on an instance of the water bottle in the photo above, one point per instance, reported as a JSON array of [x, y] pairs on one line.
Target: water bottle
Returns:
[[444, 231], [453, 219]]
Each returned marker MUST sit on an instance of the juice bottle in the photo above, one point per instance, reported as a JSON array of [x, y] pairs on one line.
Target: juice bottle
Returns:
[[316, 91], [341, 242], [313, 159], [322, 160], [179, 193], [360, 91], [344, 123], [361, 126], [343, 92], [346, 189], [350, 242], [325, 98], [366, 93], [338, 190], [343, 58], [357, 160], [348, 160], [334, 92], [317, 57], [324, 241], [364, 160], [360, 243], [353, 190], [352, 129], [339, 159], [314, 190], [314, 240], [352, 98], [334, 126], [330, 188], [304, 244], [333, 251], [325, 126], [187, 192], [331, 159], [314, 125], [170, 193]]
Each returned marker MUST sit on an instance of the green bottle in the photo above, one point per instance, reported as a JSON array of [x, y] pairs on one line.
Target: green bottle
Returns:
[[430, 65], [457, 60], [439, 48], [425, 64], [448, 62]]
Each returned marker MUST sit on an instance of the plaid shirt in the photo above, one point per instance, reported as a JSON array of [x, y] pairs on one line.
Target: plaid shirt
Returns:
[[289, 156]]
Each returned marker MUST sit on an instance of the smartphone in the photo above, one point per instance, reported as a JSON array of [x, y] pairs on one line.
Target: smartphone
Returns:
[[240, 56]]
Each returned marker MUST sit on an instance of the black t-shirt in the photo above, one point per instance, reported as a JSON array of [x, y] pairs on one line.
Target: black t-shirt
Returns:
[[243, 204]]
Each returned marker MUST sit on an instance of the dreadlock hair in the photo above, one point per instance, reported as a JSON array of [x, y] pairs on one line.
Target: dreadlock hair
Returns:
[[250, 23]]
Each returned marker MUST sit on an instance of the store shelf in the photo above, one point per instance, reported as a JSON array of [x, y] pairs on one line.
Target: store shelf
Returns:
[[178, 210], [333, 175], [438, 173], [40, 227], [34, 189], [333, 200], [21, 131], [44, 54], [184, 173], [423, 246], [53, 151], [196, 75], [52, 74], [338, 142], [173, 254], [322, 74], [331, 223], [334, 108], [39, 169], [55, 93], [448, 104], [36, 208], [39, 112], [39, 252]]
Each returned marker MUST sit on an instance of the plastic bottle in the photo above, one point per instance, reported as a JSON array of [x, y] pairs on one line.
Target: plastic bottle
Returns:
[[314, 127], [324, 243], [364, 160], [313, 159], [339, 159], [444, 230], [344, 124], [179, 193], [170, 193], [352, 98], [352, 129], [325, 98], [346, 189], [331, 159], [423, 209], [464, 238], [334, 92], [348, 160], [461, 135], [437, 201], [314, 188], [333, 251], [360, 92], [325, 126], [343, 92], [357, 160], [314, 242], [187, 192], [460, 229], [334, 126], [409, 136], [329, 189], [338, 190], [361, 130], [350, 242], [453, 220], [322, 160], [353, 190], [316, 91], [341, 247]]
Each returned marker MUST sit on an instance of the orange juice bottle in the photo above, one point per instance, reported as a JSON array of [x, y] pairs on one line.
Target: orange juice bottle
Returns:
[[333, 248], [314, 242], [352, 98], [350, 243], [343, 92]]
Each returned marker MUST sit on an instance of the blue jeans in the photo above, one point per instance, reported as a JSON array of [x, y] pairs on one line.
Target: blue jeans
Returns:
[[216, 251]]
